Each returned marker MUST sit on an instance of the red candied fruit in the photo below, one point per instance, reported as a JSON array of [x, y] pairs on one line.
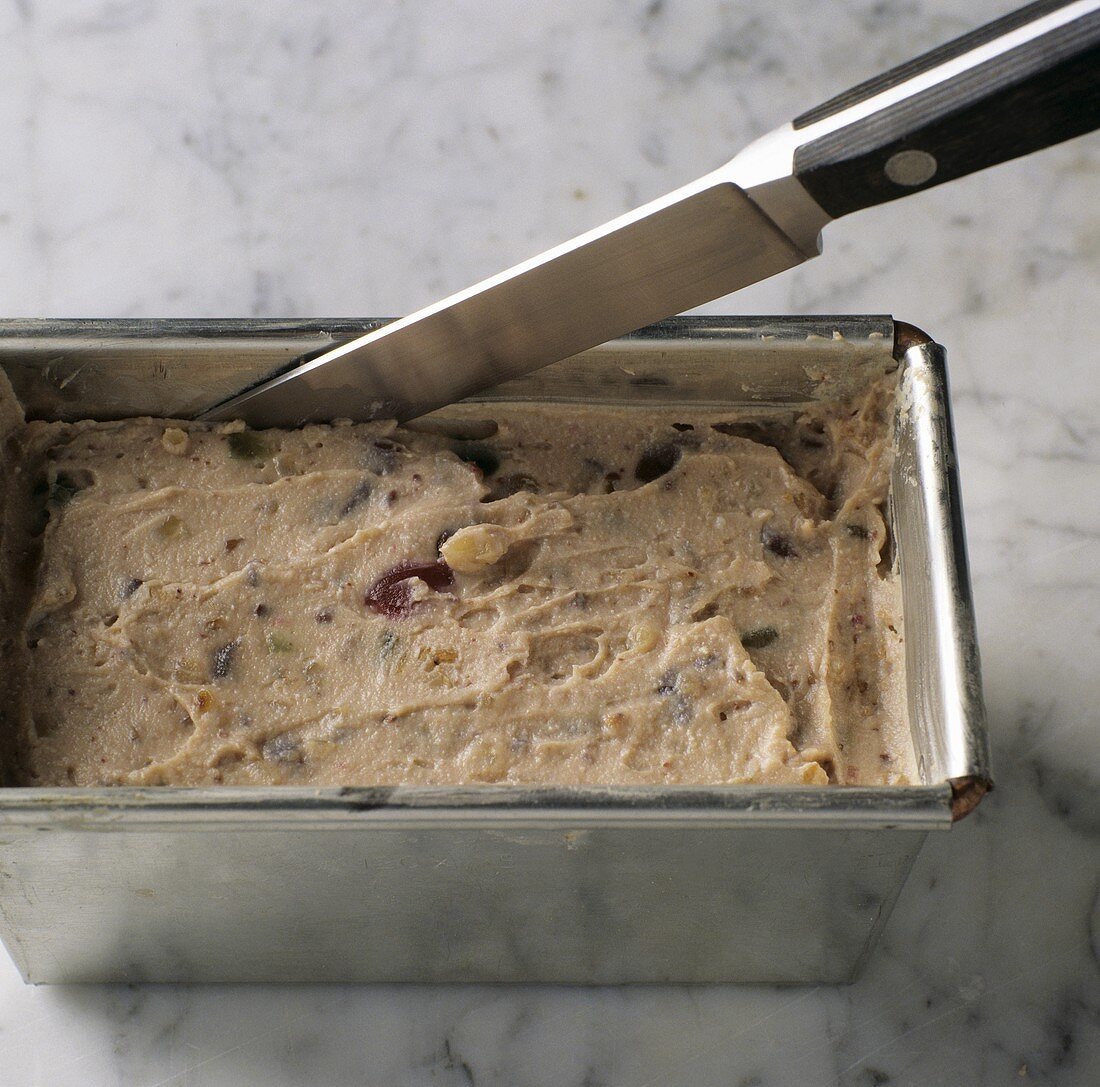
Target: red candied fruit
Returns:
[[391, 594]]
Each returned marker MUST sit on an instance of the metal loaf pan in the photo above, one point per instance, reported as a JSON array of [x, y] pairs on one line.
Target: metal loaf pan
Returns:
[[587, 885]]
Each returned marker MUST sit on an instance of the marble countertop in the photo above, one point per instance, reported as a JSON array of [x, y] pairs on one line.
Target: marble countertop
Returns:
[[274, 158]]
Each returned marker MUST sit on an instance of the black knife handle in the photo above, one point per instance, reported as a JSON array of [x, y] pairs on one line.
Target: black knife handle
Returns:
[[956, 110]]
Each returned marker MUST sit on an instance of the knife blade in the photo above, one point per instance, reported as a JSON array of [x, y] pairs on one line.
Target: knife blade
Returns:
[[1026, 81]]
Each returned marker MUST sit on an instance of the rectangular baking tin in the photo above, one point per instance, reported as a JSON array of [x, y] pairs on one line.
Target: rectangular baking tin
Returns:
[[510, 884]]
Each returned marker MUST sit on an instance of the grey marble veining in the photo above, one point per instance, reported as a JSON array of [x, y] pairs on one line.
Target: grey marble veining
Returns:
[[355, 159]]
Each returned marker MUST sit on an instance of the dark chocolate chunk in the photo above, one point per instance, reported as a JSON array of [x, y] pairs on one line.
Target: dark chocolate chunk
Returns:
[[513, 483], [130, 587], [478, 454], [382, 456], [759, 637], [222, 661], [668, 686], [357, 497], [63, 488], [667, 683], [777, 543], [656, 461], [282, 749]]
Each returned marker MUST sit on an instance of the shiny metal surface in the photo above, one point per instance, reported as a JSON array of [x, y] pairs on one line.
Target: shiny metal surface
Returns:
[[100, 369], [694, 245], [507, 884], [359, 896], [941, 643]]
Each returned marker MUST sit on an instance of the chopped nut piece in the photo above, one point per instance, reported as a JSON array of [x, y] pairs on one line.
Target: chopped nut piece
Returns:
[[644, 637], [170, 527], [471, 549], [175, 441]]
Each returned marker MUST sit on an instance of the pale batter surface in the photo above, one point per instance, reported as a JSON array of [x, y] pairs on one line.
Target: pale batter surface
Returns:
[[585, 596]]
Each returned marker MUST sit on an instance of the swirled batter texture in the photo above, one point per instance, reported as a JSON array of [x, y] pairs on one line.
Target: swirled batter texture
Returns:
[[584, 596]]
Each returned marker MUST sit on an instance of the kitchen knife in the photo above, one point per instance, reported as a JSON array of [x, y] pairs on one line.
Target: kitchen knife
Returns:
[[1024, 82]]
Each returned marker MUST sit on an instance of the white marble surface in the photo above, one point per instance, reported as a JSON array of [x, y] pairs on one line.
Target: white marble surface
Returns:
[[354, 158]]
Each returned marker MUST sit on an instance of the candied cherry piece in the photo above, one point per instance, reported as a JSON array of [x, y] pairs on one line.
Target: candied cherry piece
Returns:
[[391, 594]]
